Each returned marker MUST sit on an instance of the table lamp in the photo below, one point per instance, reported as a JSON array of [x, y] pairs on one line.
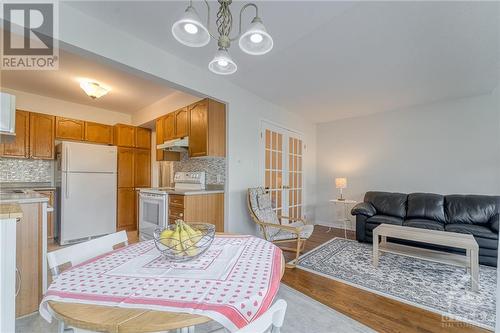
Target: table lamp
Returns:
[[341, 183]]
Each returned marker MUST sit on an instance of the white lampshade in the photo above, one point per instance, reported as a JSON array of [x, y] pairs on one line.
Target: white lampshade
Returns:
[[222, 63], [256, 40], [340, 182], [189, 30], [93, 89]]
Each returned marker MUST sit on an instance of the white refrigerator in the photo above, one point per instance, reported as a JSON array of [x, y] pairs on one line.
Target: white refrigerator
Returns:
[[86, 179]]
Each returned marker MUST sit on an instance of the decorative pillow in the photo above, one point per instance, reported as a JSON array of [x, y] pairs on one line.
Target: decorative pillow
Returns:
[[264, 201]]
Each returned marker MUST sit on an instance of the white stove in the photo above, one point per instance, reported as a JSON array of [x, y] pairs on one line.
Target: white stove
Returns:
[[153, 202]]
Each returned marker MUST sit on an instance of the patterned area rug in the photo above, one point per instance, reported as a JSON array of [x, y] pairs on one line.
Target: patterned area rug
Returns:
[[440, 288]]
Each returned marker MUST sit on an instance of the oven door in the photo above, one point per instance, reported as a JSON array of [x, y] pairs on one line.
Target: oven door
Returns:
[[152, 212]]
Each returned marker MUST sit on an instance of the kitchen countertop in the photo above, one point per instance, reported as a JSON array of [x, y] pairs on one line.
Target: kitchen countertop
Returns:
[[28, 196], [10, 211], [45, 186]]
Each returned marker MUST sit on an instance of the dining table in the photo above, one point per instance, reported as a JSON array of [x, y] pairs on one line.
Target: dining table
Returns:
[[136, 289]]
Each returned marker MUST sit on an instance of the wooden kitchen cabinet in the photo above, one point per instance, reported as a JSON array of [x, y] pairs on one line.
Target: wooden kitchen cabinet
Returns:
[[160, 138], [143, 138], [181, 123], [207, 129], [142, 168], [69, 129], [42, 133], [200, 208], [126, 209], [20, 146], [125, 135], [50, 216], [125, 167], [98, 133], [169, 127], [29, 259]]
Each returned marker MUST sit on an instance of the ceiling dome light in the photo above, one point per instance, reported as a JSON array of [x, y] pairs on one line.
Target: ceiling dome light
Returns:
[[93, 89], [189, 30], [222, 63], [256, 40]]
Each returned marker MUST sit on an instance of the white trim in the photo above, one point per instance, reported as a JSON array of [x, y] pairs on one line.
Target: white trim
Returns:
[[443, 313]]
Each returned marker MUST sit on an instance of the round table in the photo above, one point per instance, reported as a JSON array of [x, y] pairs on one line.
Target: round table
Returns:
[[121, 320]]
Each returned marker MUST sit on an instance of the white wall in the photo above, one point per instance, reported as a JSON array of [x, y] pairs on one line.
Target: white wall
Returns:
[[41, 104], [448, 147], [245, 110]]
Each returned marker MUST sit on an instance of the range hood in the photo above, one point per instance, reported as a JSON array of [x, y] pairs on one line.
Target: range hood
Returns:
[[7, 117], [178, 145]]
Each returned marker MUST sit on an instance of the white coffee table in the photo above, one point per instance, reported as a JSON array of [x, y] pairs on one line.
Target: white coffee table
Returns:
[[452, 239]]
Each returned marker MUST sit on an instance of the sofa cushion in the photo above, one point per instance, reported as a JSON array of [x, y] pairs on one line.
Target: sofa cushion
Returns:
[[426, 206], [364, 208], [385, 219], [387, 203], [494, 221], [424, 224], [471, 209], [473, 229]]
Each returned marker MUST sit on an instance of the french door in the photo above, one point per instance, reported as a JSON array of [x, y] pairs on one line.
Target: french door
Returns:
[[282, 169]]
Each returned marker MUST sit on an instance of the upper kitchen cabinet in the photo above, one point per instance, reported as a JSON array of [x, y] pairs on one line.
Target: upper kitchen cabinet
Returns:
[[160, 154], [181, 123], [98, 133], [125, 135], [169, 127], [142, 168], [142, 138], [207, 129], [20, 146], [42, 133], [126, 167], [69, 129]]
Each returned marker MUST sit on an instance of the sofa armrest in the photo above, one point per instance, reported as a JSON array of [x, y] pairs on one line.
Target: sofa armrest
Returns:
[[364, 208], [494, 222]]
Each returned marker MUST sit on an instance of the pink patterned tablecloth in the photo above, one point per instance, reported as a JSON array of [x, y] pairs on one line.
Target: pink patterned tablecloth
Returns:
[[234, 282]]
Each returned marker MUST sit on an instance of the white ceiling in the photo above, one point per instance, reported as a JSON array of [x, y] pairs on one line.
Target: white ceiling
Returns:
[[128, 94], [334, 60]]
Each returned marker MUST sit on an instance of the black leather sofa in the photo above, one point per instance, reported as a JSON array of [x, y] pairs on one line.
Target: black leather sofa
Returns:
[[471, 214]]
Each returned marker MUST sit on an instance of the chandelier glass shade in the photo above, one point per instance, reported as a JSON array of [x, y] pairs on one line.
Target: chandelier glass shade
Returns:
[[222, 63], [190, 31]]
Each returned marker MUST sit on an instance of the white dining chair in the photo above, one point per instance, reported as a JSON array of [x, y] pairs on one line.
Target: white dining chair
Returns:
[[271, 321], [67, 257]]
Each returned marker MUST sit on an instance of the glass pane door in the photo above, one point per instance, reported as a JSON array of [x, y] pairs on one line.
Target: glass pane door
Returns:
[[283, 172]]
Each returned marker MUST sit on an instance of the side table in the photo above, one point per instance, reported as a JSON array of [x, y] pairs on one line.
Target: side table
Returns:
[[345, 218]]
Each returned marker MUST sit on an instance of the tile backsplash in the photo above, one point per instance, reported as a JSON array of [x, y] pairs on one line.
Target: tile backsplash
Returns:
[[212, 166], [26, 171]]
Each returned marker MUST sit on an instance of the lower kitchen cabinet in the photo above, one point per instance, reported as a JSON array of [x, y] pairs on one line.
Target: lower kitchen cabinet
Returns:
[[200, 208], [126, 209], [29, 259]]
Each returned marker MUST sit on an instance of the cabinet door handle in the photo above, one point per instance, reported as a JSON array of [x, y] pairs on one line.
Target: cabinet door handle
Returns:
[[18, 278]]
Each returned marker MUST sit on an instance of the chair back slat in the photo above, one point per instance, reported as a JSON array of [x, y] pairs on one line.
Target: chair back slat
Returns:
[[269, 321], [78, 253]]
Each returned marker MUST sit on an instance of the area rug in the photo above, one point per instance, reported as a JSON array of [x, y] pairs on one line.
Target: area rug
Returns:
[[444, 289]]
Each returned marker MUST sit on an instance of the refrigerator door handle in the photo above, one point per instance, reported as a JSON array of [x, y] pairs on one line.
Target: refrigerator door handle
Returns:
[[67, 159], [67, 185]]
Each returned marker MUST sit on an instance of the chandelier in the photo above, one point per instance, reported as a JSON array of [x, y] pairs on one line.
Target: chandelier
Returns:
[[190, 31]]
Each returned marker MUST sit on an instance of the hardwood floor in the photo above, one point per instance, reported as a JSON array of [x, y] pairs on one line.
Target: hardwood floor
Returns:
[[377, 312]]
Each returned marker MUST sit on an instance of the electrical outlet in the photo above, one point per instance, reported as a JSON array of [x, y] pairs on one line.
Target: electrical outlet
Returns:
[[219, 179]]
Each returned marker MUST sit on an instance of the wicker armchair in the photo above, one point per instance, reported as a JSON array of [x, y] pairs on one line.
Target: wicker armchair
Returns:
[[297, 230]]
